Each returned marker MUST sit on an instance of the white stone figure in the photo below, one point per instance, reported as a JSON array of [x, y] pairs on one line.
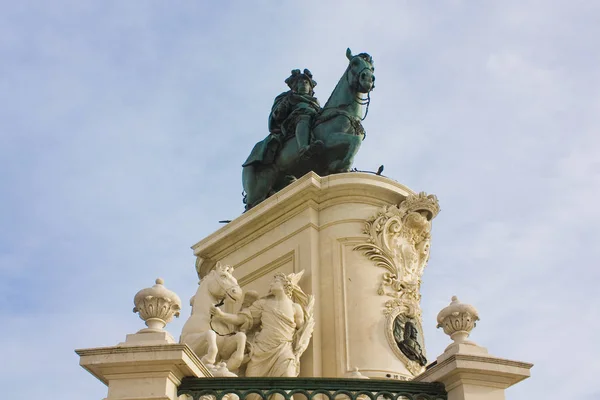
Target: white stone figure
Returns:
[[285, 320], [210, 339], [249, 298]]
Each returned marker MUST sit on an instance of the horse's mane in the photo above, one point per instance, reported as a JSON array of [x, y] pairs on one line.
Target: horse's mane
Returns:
[[336, 87]]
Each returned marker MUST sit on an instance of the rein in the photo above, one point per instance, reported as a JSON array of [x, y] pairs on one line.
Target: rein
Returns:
[[363, 102], [357, 99], [331, 113], [219, 304], [328, 113]]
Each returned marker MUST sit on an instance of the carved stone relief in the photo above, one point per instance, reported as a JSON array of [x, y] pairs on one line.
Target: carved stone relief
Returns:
[[398, 312], [399, 241]]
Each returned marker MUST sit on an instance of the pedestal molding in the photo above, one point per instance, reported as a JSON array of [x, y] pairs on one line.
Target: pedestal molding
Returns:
[[270, 267], [485, 371], [156, 354], [287, 204], [469, 357]]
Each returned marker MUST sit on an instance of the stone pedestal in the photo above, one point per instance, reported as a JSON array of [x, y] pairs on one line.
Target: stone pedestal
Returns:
[[466, 369], [469, 373], [316, 224], [149, 365], [146, 367]]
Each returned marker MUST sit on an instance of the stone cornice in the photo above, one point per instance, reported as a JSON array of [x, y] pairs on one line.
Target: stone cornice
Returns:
[[94, 359], [469, 368], [310, 191], [482, 359], [135, 349]]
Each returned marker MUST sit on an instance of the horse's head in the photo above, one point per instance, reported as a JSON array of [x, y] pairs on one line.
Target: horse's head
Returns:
[[221, 283], [360, 72]]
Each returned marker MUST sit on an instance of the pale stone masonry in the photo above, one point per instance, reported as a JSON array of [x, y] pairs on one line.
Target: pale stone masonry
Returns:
[[363, 241]]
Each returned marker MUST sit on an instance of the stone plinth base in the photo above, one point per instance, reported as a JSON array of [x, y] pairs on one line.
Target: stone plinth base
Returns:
[[139, 371], [469, 373], [148, 339], [314, 225]]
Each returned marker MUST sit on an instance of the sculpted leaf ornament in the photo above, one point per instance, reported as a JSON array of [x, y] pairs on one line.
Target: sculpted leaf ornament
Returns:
[[399, 238]]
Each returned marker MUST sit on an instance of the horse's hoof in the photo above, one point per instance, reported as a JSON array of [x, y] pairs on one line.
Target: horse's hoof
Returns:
[[206, 361], [289, 179], [338, 168], [318, 145], [304, 152], [234, 363]]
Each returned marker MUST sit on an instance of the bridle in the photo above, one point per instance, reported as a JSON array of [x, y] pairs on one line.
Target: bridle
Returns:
[[219, 304], [357, 99]]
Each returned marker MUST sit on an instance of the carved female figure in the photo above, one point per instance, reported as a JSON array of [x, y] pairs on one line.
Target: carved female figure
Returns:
[[285, 328]]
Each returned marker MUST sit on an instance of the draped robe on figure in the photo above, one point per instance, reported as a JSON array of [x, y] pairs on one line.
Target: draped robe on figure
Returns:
[[272, 353]]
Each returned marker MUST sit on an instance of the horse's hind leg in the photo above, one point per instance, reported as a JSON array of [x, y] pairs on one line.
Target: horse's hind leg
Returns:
[[196, 342], [234, 348]]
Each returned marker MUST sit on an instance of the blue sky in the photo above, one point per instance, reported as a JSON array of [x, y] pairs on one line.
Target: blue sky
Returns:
[[123, 126]]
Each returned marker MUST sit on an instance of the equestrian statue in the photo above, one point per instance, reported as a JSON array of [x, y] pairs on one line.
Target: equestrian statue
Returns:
[[304, 137]]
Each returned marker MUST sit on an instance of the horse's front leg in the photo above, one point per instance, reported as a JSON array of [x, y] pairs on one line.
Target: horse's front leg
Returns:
[[236, 358], [344, 147], [211, 355]]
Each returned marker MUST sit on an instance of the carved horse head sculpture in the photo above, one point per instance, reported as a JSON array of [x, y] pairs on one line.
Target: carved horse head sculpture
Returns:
[[212, 339]]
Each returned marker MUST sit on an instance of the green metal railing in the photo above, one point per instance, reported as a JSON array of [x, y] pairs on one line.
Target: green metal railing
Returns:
[[308, 389]]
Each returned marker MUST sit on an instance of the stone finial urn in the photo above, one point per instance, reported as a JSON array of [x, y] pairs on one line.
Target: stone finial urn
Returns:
[[458, 320], [157, 306]]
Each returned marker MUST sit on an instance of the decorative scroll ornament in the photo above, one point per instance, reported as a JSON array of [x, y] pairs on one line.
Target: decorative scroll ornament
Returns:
[[399, 239]]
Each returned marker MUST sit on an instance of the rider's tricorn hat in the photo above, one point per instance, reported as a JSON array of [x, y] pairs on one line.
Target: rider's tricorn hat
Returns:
[[296, 74]]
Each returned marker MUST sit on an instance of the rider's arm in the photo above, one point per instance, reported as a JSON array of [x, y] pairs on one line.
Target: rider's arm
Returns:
[[281, 110]]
